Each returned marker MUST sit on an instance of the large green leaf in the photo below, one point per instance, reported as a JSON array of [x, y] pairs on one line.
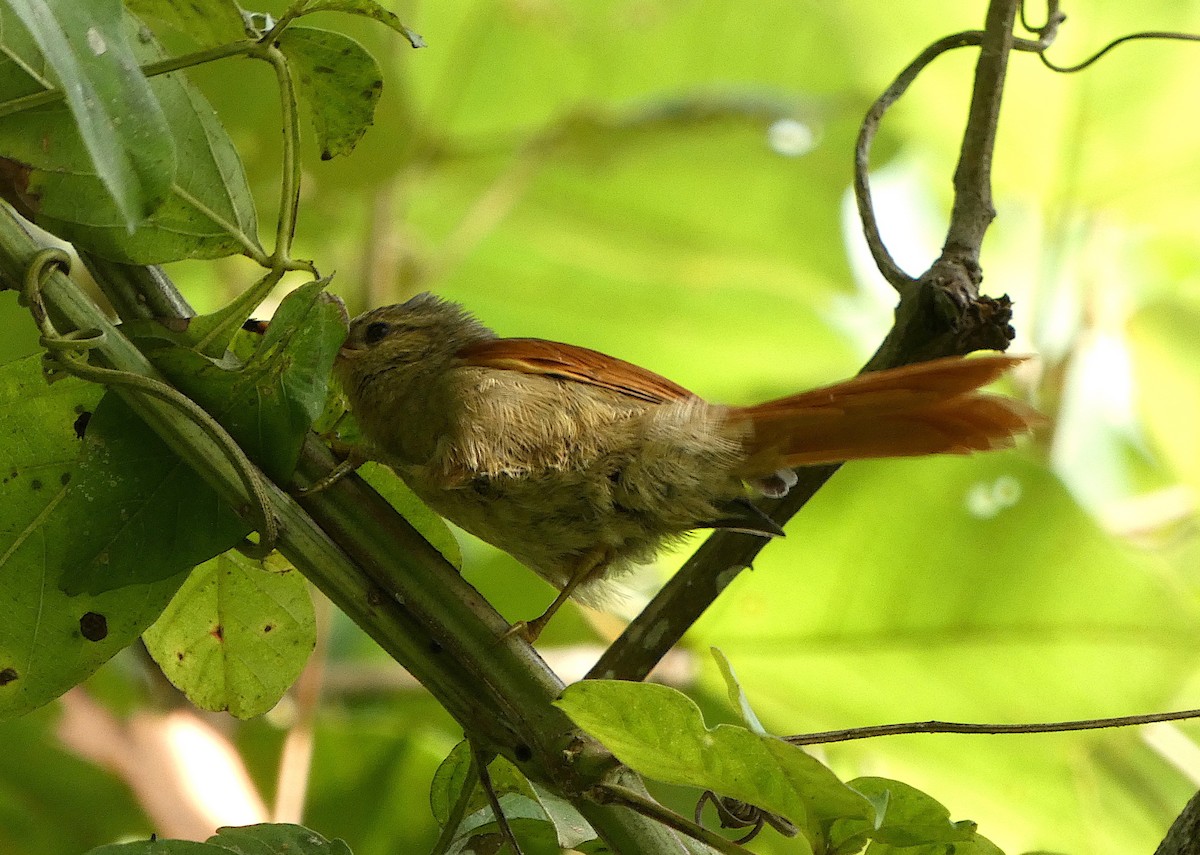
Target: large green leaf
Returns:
[[118, 118], [909, 817], [137, 513], [206, 210], [339, 81], [236, 635], [269, 403], [48, 640], [660, 733], [132, 489]]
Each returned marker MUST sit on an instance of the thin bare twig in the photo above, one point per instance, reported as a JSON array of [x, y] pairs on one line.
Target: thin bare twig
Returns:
[[873, 731], [482, 758], [1148, 34], [891, 271], [939, 315]]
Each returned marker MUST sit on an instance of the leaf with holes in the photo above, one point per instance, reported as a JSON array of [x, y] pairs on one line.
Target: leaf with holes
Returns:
[[338, 80], [236, 635], [136, 512], [48, 641]]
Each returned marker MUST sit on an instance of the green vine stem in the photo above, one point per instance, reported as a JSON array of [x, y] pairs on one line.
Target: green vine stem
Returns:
[[68, 353]]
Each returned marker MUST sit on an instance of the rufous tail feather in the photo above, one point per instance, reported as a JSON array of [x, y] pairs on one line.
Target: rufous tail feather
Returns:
[[928, 408]]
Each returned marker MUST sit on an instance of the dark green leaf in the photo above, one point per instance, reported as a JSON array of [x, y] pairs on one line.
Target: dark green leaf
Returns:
[[118, 117], [236, 635], [368, 9], [276, 839], [339, 81], [158, 847], [528, 821], [208, 211], [542, 821], [269, 403], [660, 733], [136, 512], [49, 641], [208, 22], [449, 780], [263, 839], [570, 825]]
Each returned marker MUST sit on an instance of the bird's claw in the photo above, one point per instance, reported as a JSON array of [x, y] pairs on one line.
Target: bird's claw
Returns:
[[529, 630]]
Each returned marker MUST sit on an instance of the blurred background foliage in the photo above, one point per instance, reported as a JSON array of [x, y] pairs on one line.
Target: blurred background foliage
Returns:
[[667, 180]]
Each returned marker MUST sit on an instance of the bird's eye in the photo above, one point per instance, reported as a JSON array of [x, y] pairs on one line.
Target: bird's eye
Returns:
[[376, 332]]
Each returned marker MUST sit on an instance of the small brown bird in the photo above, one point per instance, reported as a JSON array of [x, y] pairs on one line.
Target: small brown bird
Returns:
[[581, 465]]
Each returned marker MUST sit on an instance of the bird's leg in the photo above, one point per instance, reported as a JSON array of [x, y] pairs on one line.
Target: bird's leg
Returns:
[[355, 457], [530, 630]]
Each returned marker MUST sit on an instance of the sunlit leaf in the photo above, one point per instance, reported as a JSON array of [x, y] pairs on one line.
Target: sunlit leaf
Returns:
[[910, 818], [660, 733], [971, 589], [1166, 359], [236, 635], [737, 697]]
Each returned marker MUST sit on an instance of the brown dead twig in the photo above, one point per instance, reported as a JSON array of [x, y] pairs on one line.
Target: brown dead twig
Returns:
[[940, 313]]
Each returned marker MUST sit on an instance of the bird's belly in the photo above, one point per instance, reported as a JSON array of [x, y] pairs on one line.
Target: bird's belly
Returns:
[[553, 520]]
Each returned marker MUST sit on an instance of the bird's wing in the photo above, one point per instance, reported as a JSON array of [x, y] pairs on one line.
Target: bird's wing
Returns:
[[572, 363]]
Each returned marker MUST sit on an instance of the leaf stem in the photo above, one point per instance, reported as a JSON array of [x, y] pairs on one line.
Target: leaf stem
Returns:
[[153, 69], [289, 185]]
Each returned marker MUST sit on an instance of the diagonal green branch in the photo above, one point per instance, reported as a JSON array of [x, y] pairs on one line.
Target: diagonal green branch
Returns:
[[377, 569]]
